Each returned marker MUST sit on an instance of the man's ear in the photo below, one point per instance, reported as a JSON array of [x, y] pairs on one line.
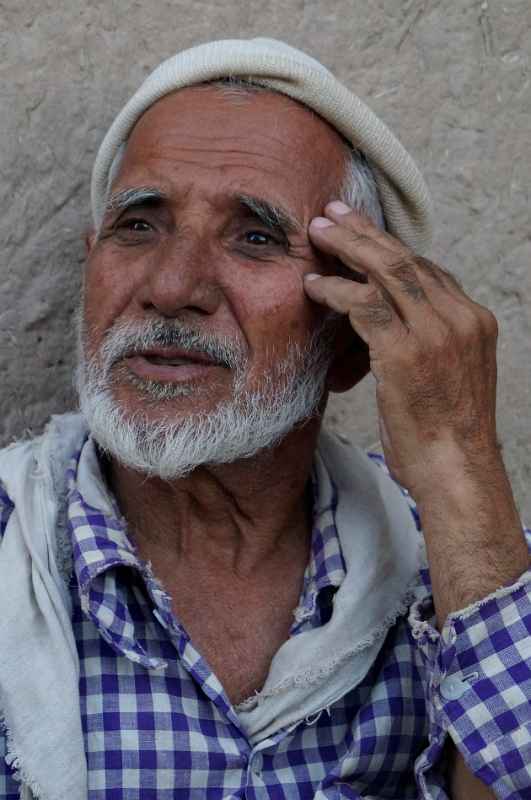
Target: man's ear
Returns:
[[89, 238], [351, 360]]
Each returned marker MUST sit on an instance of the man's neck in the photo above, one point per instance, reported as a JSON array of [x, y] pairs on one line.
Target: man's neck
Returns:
[[238, 516]]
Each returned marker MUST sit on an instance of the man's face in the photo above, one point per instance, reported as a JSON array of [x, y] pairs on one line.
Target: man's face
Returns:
[[197, 252]]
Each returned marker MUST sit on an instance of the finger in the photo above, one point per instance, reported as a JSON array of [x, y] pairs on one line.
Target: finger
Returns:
[[364, 225], [428, 273], [431, 273], [421, 290], [369, 307], [394, 270], [446, 295]]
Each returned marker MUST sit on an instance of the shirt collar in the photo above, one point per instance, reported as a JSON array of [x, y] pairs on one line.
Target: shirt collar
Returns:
[[326, 568], [100, 544]]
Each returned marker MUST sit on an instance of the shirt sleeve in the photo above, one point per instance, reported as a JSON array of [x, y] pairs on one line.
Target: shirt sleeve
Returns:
[[477, 683]]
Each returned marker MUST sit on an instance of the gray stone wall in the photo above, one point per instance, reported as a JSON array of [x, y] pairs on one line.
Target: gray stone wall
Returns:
[[450, 77]]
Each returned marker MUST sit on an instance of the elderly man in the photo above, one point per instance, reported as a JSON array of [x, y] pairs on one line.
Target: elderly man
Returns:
[[205, 595]]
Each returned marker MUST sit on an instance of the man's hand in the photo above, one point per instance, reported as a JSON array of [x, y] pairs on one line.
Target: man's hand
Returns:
[[433, 353], [432, 350]]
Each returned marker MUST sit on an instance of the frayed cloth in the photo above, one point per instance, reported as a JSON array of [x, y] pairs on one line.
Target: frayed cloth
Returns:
[[39, 666]]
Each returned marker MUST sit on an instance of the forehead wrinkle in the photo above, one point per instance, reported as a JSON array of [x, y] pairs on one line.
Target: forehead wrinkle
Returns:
[[173, 150], [172, 187], [201, 119], [224, 165], [195, 136]]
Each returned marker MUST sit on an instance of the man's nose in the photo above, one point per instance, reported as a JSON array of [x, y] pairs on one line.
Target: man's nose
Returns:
[[182, 276]]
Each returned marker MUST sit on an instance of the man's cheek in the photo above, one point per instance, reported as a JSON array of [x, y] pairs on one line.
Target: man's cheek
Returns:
[[289, 301], [104, 304], [97, 320]]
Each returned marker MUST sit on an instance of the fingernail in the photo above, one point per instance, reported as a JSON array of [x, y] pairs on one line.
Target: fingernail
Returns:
[[311, 276], [321, 222], [337, 207]]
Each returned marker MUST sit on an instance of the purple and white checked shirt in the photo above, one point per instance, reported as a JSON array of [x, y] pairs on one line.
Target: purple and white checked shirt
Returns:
[[157, 723]]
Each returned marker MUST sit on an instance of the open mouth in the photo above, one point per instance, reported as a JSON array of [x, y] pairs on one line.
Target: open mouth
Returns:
[[172, 362]]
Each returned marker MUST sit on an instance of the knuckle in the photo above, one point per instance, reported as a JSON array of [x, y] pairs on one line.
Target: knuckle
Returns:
[[374, 296], [380, 315], [403, 272], [376, 310], [363, 222], [467, 321], [440, 340], [426, 264], [430, 270], [478, 322], [357, 237], [400, 265]]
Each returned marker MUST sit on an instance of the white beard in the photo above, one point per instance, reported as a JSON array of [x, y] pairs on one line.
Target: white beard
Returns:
[[235, 429]]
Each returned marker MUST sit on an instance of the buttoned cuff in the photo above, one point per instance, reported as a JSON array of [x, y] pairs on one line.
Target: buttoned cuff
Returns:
[[479, 685]]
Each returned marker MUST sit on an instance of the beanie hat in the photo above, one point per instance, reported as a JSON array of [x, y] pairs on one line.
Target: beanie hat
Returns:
[[403, 193]]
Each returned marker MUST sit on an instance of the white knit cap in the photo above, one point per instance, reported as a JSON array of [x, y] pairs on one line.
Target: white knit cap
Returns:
[[403, 193]]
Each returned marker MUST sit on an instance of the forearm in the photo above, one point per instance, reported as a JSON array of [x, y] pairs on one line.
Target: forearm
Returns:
[[432, 351], [474, 538], [475, 545]]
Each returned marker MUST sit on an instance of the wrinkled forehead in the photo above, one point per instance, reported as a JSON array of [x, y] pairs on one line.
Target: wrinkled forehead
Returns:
[[262, 136]]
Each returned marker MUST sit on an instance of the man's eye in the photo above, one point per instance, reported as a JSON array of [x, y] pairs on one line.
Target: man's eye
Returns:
[[134, 225], [259, 238]]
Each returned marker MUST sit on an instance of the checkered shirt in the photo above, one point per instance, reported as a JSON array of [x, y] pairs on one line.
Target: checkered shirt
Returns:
[[157, 723]]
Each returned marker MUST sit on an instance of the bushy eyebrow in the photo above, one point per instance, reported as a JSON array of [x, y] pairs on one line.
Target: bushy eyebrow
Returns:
[[273, 216], [137, 196]]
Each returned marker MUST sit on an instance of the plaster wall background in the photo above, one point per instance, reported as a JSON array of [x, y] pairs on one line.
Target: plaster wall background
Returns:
[[450, 77]]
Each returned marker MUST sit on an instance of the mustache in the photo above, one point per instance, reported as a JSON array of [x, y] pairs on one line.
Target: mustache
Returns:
[[125, 339]]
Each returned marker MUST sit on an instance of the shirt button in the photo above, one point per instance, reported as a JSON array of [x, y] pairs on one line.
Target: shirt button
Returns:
[[453, 688]]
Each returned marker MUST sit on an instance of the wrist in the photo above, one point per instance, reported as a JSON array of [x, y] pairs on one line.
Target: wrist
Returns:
[[472, 504], [474, 538], [458, 475]]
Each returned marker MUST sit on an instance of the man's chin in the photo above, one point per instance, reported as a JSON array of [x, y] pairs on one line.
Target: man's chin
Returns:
[[137, 394], [162, 399]]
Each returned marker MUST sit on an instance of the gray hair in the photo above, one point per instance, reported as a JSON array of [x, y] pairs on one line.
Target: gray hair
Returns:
[[358, 190]]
